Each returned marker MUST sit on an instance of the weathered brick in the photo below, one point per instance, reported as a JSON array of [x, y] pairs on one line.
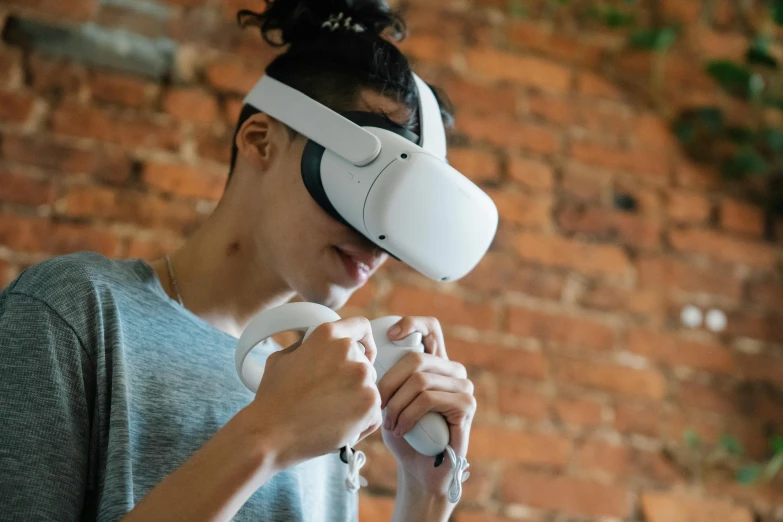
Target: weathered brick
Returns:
[[688, 207], [590, 259], [478, 165], [736, 216], [612, 378], [607, 225], [479, 97], [638, 417], [151, 249], [79, 10], [585, 184], [552, 109], [430, 49], [522, 401], [449, 309], [499, 272], [766, 293], [531, 173], [605, 118], [184, 180], [43, 236], [214, 143], [526, 70], [233, 75], [666, 272], [11, 74], [507, 445], [57, 79], [590, 84], [504, 131], [16, 107], [542, 39], [121, 89], [723, 247], [25, 190], [611, 459], [693, 175], [653, 167], [581, 412], [553, 328], [708, 398], [678, 507], [499, 359], [564, 494], [651, 132], [232, 111], [462, 515], [523, 209], [7, 274], [191, 105], [676, 351], [763, 326], [375, 508]]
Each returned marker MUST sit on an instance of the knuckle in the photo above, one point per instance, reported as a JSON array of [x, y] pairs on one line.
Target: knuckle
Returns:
[[461, 370], [360, 371], [419, 381], [343, 346], [416, 359], [469, 386]]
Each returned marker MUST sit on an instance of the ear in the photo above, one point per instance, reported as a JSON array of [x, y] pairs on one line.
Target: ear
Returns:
[[256, 141]]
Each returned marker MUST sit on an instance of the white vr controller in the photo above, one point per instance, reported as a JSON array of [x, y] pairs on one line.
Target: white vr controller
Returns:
[[430, 435]]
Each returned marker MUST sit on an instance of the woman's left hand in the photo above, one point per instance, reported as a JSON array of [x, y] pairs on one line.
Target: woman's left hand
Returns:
[[417, 384]]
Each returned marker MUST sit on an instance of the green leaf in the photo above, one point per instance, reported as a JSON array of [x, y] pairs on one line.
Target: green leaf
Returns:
[[659, 40], [615, 18], [745, 161], [739, 134], [776, 442], [563, 2], [517, 9], [683, 131], [710, 117], [692, 439], [734, 78], [758, 56], [773, 466], [749, 474], [777, 11], [773, 139], [731, 445]]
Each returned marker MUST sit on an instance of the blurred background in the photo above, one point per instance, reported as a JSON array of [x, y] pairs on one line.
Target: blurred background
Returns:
[[624, 332]]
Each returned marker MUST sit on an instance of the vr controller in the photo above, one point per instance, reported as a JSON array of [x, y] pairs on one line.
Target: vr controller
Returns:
[[429, 436]]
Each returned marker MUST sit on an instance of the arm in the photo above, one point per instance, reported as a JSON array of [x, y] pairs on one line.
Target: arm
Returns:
[[411, 503]]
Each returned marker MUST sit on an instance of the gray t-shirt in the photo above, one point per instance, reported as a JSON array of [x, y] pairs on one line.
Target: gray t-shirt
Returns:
[[107, 386]]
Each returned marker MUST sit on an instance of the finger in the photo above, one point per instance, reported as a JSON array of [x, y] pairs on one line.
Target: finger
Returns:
[[431, 333], [456, 407], [374, 425], [413, 362], [417, 384], [357, 329]]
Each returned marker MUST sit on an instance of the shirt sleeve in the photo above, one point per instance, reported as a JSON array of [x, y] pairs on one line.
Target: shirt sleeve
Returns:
[[45, 382]]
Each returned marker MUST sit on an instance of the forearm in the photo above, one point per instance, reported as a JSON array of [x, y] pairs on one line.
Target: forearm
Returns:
[[413, 503], [217, 480]]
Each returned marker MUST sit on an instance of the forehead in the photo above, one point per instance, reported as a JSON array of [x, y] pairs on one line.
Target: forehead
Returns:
[[372, 101]]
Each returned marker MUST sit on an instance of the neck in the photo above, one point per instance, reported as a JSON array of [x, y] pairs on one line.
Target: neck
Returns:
[[221, 279]]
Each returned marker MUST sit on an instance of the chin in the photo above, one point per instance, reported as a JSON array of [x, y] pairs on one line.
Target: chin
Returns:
[[333, 296]]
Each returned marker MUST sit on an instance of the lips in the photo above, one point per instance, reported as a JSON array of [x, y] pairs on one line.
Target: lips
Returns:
[[358, 262]]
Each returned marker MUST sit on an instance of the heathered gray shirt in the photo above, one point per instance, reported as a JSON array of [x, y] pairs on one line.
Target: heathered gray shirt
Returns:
[[107, 385]]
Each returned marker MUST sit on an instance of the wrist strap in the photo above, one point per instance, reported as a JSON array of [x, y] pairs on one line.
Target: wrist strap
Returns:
[[459, 475]]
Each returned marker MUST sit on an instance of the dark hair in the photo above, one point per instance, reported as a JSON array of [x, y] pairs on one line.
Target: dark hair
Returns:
[[333, 66]]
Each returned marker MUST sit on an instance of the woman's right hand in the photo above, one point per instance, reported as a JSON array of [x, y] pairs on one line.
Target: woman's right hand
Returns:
[[320, 395]]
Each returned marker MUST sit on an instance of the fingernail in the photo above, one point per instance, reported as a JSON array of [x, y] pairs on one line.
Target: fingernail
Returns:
[[394, 330]]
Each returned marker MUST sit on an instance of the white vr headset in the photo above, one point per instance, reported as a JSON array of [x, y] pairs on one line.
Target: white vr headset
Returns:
[[391, 186]]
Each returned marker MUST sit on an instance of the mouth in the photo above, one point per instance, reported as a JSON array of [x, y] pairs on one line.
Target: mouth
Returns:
[[358, 262]]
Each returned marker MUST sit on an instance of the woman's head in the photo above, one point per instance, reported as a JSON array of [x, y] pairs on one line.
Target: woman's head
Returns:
[[342, 54]]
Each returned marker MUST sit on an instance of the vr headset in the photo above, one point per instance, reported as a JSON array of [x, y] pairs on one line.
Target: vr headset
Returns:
[[388, 184]]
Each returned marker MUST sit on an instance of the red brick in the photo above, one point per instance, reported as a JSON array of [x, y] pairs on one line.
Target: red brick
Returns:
[[607, 458], [585, 184], [478, 165], [58, 79], [128, 131], [112, 166], [498, 359], [697, 176], [449, 309], [214, 143], [762, 326], [678, 423], [544, 40], [677, 507], [657, 466], [722, 247], [121, 90], [649, 201], [525, 70], [499, 272], [25, 190], [688, 207], [651, 132], [375, 508], [676, 351], [531, 173], [42, 236], [430, 48], [665, 272], [522, 401], [589, 259], [82, 10], [381, 468], [612, 378], [185, 3], [551, 109], [153, 248], [191, 105], [590, 84], [606, 225], [653, 167], [7, 274], [16, 107], [365, 295], [506, 445], [723, 45], [233, 76], [461, 515], [649, 303], [232, 111], [605, 118], [146, 210], [519, 208], [640, 418], [766, 293], [578, 412], [184, 180], [504, 131], [744, 218], [11, 74], [567, 495], [551, 328], [700, 397], [479, 98]]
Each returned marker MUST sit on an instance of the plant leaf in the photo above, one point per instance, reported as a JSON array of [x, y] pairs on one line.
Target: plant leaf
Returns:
[[776, 442], [773, 139], [757, 56], [731, 445], [777, 11], [734, 78], [692, 439], [749, 474], [745, 161], [615, 18], [659, 40], [773, 466], [517, 9], [739, 134]]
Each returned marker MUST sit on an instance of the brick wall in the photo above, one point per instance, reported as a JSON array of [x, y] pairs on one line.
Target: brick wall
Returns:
[[115, 125]]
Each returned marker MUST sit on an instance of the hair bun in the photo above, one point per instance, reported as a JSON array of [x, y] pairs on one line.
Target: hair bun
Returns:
[[303, 20]]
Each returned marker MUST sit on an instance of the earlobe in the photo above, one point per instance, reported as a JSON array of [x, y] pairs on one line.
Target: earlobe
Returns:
[[254, 141]]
